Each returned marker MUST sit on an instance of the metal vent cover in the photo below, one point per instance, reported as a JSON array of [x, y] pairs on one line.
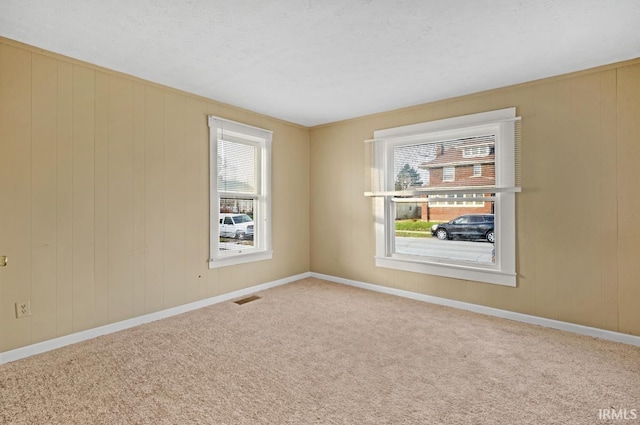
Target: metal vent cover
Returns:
[[247, 300]]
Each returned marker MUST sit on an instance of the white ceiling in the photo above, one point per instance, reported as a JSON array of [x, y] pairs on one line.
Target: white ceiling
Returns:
[[318, 61]]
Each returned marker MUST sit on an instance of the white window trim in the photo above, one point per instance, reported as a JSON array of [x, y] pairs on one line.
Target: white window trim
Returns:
[[262, 236], [503, 272]]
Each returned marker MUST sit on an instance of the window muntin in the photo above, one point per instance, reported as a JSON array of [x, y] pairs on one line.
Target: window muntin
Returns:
[[240, 161], [491, 139]]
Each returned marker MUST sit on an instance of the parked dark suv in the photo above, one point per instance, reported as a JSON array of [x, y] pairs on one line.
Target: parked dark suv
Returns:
[[468, 226]]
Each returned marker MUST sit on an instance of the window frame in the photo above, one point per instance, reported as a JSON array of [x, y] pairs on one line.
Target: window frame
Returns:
[[261, 139], [503, 271]]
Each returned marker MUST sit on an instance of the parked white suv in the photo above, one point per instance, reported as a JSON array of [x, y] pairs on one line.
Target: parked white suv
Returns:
[[239, 226]]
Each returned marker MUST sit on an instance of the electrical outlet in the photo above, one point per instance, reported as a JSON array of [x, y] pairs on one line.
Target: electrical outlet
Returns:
[[23, 309]]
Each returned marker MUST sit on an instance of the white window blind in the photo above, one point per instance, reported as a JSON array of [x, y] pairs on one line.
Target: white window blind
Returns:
[[237, 166]]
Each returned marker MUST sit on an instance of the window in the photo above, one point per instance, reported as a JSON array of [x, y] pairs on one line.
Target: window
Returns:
[[467, 206], [475, 151], [477, 170], [448, 174], [240, 200]]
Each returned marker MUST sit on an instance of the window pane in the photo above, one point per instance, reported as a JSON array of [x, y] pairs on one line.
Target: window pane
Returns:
[[467, 162], [236, 231], [237, 167], [453, 230], [406, 165]]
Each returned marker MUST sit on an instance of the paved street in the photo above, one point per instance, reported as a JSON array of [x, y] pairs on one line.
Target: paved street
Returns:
[[479, 252]]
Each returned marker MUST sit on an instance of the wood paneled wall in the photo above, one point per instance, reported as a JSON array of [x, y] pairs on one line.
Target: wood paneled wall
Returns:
[[104, 210], [578, 240], [104, 206]]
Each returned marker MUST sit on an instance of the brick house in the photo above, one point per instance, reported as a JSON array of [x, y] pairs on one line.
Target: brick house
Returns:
[[459, 165]]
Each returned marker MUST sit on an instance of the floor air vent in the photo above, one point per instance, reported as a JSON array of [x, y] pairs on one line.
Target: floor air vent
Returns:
[[247, 300]]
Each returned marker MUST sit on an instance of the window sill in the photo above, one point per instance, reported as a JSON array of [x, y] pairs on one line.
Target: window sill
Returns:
[[239, 259], [456, 271]]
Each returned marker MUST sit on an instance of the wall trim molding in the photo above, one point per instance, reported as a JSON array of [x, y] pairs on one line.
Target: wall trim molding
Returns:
[[52, 344], [490, 311]]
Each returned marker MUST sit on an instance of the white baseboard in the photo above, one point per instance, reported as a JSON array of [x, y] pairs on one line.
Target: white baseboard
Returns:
[[41, 347], [519, 317]]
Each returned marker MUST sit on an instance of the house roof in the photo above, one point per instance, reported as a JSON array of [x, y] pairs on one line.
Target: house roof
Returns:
[[319, 61]]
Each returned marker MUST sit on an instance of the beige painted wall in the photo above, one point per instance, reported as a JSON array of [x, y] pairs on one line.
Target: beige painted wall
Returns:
[[578, 238], [104, 206]]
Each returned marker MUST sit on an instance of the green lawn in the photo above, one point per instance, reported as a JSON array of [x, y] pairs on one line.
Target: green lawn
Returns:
[[414, 228]]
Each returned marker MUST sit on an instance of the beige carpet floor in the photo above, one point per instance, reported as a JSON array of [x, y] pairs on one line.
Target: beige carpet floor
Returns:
[[314, 352]]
